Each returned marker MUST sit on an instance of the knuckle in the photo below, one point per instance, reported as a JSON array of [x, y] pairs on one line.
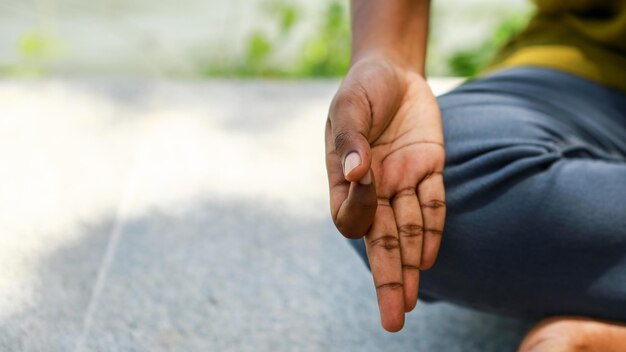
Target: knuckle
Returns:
[[433, 231], [386, 242], [405, 192], [341, 138], [434, 204], [432, 174], [348, 98], [348, 117], [390, 286], [411, 230]]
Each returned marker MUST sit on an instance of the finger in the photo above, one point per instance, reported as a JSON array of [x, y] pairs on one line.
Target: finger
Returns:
[[431, 195], [350, 120], [353, 204], [383, 252], [406, 209], [356, 213]]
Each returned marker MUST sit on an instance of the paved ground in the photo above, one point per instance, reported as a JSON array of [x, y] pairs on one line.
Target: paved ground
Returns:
[[163, 216]]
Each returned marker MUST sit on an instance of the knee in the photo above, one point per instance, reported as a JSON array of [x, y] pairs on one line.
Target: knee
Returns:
[[495, 127], [490, 142]]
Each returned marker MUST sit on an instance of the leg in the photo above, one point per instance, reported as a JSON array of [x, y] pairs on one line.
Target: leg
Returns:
[[536, 184], [536, 193]]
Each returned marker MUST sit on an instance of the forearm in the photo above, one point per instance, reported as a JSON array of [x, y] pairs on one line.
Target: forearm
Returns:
[[397, 29]]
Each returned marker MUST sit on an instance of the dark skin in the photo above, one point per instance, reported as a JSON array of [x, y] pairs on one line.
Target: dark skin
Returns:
[[385, 156]]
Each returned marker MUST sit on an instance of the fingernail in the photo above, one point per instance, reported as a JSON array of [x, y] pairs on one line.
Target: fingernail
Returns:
[[367, 179], [352, 160]]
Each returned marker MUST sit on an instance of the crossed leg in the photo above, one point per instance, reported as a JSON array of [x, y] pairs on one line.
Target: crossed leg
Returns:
[[536, 189], [536, 194]]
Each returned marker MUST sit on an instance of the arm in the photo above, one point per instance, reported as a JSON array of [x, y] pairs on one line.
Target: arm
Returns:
[[384, 152], [397, 29]]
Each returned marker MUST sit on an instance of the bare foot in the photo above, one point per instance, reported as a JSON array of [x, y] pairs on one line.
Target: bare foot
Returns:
[[573, 334]]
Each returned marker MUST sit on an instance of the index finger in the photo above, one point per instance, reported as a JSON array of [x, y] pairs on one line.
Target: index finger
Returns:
[[383, 253], [352, 204]]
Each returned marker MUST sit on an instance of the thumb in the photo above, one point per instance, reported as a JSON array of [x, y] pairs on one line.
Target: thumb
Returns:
[[350, 121]]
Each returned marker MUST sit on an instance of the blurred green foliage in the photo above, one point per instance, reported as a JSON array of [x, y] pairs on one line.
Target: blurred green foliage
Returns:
[[33, 45], [35, 49], [468, 62], [259, 47], [326, 53]]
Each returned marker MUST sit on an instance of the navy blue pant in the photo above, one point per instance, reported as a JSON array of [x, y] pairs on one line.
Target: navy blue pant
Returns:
[[536, 194]]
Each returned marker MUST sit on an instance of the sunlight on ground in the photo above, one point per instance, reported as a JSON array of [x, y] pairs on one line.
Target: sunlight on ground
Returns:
[[73, 153]]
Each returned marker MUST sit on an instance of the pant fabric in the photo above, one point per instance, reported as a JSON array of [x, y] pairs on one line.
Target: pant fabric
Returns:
[[536, 197]]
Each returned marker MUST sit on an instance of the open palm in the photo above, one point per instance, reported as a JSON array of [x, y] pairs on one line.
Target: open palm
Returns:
[[385, 157]]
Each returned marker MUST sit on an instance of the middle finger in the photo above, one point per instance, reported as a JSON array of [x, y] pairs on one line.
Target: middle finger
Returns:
[[383, 252]]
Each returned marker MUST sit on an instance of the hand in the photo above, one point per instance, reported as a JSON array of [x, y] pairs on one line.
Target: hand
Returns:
[[385, 157]]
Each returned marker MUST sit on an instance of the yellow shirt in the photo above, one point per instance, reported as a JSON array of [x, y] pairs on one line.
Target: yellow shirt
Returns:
[[584, 37]]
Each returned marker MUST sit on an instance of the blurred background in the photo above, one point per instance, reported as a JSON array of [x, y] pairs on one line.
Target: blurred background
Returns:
[[162, 179], [234, 38]]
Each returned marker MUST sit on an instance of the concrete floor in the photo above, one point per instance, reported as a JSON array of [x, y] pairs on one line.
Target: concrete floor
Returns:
[[188, 216]]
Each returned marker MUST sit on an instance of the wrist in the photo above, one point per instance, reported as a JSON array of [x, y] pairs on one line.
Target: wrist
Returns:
[[397, 59], [393, 29]]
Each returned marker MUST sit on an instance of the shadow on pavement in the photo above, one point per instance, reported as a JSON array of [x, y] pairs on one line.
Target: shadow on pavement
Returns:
[[240, 275]]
